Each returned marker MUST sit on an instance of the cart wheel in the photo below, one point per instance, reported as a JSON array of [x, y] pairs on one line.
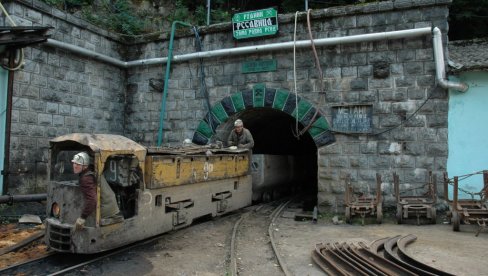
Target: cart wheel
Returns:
[[379, 213], [455, 221], [399, 213], [433, 215], [348, 214]]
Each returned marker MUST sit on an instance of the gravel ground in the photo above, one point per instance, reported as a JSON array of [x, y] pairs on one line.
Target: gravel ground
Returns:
[[204, 249]]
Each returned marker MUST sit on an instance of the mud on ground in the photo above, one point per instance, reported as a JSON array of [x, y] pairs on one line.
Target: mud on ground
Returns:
[[11, 234]]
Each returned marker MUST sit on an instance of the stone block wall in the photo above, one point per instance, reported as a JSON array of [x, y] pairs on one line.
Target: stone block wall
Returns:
[[396, 77], [58, 92]]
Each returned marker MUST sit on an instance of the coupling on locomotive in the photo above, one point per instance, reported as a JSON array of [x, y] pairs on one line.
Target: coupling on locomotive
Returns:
[[147, 191]]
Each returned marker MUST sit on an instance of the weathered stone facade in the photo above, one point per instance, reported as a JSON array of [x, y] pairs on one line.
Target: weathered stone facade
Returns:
[[59, 92]]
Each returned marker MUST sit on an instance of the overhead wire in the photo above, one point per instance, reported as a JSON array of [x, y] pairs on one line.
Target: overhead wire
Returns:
[[321, 79], [203, 84], [296, 134]]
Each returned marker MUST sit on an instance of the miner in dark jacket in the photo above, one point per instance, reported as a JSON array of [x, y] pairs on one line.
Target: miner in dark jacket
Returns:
[[240, 137], [110, 213]]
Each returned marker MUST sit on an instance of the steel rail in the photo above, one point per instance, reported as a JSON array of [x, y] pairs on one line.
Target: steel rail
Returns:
[[402, 243], [326, 261], [18, 265], [389, 254], [109, 253], [348, 249], [22, 243], [387, 266], [274, 215], [358, 265], [343, 262], [233, 256], [377, 245]]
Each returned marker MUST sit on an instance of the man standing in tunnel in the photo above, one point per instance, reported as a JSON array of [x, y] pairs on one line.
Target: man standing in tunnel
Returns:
[[240, 137]]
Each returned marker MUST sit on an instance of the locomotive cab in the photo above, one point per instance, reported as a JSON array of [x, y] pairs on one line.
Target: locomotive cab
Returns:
[[119, 169], [156, 189]]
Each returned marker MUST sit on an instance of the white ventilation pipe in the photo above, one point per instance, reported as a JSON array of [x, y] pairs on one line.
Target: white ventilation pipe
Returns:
[[437, 44], [440, 67]]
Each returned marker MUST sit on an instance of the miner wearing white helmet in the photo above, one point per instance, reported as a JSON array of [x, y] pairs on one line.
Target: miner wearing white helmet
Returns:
[[240, 137], [83, 166]]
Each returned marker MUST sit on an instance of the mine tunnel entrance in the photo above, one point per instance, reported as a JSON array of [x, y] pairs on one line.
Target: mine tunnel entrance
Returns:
[[282, 164]]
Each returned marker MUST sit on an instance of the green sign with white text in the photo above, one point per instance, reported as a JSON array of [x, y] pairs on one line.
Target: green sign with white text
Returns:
[[255, 66], [255, 23]]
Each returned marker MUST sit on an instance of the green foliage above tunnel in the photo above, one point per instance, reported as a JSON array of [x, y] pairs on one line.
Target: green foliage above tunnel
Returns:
[[136, 17]]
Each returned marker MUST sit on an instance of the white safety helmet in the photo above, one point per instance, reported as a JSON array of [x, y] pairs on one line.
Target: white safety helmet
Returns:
[[238, 122], [82, 158]]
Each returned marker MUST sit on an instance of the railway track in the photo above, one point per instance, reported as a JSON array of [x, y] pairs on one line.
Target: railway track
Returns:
[[257, 226], [384, 257], [53, 263]]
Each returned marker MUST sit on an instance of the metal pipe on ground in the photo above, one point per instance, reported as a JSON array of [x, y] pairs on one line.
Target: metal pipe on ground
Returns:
[[9, 199]]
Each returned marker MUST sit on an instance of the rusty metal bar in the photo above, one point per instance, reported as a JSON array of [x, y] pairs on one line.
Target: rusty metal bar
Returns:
[[485, 182], [446, 187], [343, 262], [389, 254], [384, 264], [401, 244], [368, 266], [327, 259], [378, 245], [357, 265], [455, 195], [396, 185], [378, 189], [22, 243]]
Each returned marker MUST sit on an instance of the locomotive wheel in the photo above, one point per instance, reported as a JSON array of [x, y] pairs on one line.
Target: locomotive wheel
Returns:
[[348, 214], [399, 213], [379, 213], [455, 221], [433, 215]]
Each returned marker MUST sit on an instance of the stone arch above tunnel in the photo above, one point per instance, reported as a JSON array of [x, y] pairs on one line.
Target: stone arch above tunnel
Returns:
[[262, 97]]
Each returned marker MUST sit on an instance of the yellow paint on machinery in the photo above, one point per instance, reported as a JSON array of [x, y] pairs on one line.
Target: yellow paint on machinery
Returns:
[[172, 170]]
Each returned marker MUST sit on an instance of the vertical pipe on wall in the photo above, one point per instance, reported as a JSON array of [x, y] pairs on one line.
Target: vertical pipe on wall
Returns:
[[208, 12], [166, 79], [8, 125]]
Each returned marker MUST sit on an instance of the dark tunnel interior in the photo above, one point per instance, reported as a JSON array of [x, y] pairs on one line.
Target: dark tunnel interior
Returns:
[[274, 134]]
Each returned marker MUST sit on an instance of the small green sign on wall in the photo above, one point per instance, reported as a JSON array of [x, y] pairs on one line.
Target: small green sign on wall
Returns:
[[255, 66]]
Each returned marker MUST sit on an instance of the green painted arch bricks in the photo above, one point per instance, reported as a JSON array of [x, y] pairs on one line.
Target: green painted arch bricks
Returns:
[[262, 97]]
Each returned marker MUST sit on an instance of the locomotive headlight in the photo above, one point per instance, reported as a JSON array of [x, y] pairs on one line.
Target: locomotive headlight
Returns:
[[55, 210]]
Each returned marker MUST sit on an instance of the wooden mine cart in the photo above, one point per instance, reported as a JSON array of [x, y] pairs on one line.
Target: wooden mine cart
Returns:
[[363, 204], [418, 206], [468, 211]]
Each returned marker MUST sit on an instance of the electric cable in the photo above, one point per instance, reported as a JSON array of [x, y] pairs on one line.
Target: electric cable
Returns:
[[203, 84], [296, 134], [21, 60]]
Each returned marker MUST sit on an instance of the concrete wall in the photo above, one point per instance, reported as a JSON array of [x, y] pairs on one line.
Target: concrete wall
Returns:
[[468, 132], [58, 92]]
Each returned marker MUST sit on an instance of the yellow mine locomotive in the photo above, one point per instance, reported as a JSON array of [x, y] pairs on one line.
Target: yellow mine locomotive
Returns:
[[156, 189]]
